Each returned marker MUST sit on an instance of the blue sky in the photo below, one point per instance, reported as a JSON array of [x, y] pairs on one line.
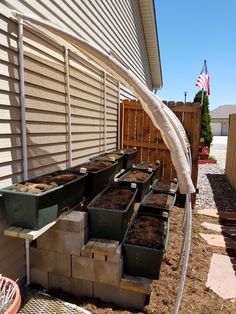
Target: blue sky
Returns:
[[189, 32]]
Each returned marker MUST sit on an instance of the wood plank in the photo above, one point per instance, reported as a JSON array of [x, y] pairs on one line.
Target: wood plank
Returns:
[[136, 284]]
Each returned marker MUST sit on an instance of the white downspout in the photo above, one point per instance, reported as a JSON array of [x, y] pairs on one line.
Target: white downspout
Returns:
[[22, 99], [105, 111], [118, 113], [68, 105]]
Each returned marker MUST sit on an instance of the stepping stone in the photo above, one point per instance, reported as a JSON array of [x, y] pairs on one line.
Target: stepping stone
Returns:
[[230, 230], [221, 277], [218, 214], [219, 240]]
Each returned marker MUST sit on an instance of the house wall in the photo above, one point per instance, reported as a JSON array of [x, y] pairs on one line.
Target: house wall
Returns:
[[114, 26], [46, 105], [219, 127]]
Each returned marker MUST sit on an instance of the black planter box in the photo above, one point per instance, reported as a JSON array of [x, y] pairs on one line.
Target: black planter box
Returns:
[[34, 211], [130, 156], [110, 223], [97, 179], [145, 165], [170, 186], [112, 157], [158, 203], [141, 260], [142, 185]]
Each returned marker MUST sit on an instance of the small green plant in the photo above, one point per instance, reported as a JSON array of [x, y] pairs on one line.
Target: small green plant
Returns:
[[206, 132]]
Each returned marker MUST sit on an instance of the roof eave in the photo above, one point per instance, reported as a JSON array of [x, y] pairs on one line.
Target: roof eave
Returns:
[[148, 14]]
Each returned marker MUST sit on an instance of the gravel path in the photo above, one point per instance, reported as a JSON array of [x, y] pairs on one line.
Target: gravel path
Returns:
[[214, 189]]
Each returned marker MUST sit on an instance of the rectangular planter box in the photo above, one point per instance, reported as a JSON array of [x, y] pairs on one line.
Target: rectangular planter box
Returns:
[[165, 185], [158, 203], [130, 156], [142, 260], [143, 181], [109, 212], [112, 157], [100, 174], [34, 211], [145, 165]]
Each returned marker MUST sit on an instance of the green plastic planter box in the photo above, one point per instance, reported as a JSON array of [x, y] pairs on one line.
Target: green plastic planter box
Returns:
[[143, 186], [141, 260], [111, 222], [34, 211], [112, 157], [29, 210], [145, 165], [97, 179], [158, 203], [165, 185], [130, 156]]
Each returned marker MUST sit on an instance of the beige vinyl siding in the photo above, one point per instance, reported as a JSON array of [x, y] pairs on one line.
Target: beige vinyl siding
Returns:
[[115, 26], [12, 253]]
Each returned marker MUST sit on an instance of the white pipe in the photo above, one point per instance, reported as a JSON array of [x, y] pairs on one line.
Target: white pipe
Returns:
[[27, 258], [105, 110], [68, 104], [118, 113], [186, 251], [22, 99]]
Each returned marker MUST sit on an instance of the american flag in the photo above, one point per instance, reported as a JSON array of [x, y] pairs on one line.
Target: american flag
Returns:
[[203, 80]]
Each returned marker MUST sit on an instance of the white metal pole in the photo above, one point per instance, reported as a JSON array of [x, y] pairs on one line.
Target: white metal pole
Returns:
[[105, 111], [68, 105], [118, 100], [22, 99], [27, 257]]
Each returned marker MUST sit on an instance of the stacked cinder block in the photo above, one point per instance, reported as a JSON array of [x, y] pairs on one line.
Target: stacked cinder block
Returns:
[[64, 259]]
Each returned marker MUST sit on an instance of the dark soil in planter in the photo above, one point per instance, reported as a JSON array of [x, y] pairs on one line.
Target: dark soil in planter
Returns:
[[146, 231], [94, 165], [110, 156], [159, 200], [114, 199], [136, 176], [165, 185], [45, 183], [146, 165]]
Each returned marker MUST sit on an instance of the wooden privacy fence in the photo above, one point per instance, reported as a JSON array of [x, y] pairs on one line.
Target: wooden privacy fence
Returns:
[[138, 130], [230, 166]]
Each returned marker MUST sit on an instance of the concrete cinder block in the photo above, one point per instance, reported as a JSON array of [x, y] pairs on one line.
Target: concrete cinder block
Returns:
[[76, 287], [47, 261], [61, 241], [94, 270], [120, 296], [39, 277], [75, 221], [116, 257]]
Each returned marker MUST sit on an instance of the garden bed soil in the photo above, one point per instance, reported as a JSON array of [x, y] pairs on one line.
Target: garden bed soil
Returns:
[[136, 176], [146, 165], [45, 183], [114, 198], [164, 185], [94, 166], [146, 231], [161, 200]]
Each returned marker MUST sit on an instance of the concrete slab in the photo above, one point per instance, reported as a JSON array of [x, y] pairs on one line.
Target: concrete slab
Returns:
[[219, 240], [229, 230], [221, 277], [208, 212]]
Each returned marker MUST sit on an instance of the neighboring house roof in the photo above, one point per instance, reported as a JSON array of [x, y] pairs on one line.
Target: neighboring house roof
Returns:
[[148, 14], [222, 112]]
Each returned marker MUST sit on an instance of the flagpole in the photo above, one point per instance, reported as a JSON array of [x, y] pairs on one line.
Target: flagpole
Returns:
[[202, 97]]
